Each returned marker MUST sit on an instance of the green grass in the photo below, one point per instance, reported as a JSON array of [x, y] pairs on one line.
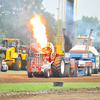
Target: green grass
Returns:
[[43, 86]]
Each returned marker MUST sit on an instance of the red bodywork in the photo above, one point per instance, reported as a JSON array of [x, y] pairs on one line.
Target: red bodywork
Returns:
[[42, 59], [34, 48], [39, 60], [88, 64]]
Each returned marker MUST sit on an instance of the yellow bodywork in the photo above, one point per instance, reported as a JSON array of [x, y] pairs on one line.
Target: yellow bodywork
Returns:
[[59, 36], [59, 44], [11, 55], [10, 39], [23, 55]]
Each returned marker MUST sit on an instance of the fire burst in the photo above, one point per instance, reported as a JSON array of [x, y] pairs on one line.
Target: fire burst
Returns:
[[39, 30]]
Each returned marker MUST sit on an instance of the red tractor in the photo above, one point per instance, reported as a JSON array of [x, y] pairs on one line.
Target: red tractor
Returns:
[[44, 63]]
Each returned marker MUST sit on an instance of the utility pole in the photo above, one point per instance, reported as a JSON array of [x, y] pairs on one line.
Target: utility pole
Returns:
[[76, 22]]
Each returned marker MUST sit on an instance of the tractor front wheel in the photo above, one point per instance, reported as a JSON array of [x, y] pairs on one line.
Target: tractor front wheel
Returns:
[[67, 70], [46, 73], [86, 71], [89, 71], [30, 74]]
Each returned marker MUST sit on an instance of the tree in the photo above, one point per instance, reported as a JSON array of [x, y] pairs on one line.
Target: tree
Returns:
[[15, 16], [85, 24]]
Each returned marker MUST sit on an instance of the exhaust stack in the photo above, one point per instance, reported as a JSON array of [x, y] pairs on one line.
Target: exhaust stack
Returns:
[[87, 45]]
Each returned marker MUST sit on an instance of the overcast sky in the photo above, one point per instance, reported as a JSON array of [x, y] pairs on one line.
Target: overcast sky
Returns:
[[84, 7]]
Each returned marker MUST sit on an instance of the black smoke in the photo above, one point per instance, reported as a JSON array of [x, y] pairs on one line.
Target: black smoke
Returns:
[[69, 33]]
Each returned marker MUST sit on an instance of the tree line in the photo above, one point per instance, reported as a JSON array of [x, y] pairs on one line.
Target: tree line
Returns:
[[85, 24], [15, 16]]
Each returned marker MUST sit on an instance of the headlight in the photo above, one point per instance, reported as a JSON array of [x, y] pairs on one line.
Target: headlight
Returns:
[[90, 55], [84, 55], [67, 54]]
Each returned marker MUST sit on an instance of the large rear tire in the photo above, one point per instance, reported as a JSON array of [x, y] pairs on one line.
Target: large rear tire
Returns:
[[18, 64], [58, 67]]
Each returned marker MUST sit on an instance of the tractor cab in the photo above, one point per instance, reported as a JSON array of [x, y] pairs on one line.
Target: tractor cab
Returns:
[[83, 39], [8, 43]]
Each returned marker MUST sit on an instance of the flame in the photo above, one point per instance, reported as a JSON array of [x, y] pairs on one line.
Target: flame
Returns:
[[39, 30]]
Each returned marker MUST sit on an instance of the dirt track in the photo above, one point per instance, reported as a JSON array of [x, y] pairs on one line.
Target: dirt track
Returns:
[[21, 77], [55, 96]]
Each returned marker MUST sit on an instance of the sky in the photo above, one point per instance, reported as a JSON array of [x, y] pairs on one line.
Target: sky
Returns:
[[84, 8]]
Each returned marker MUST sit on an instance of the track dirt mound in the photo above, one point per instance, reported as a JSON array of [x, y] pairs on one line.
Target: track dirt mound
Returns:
[[21, 77], [54, 94]]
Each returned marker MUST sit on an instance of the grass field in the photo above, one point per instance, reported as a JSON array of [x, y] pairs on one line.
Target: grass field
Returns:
[[43, 86]]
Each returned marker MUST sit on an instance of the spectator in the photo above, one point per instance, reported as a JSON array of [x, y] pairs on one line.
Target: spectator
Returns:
[[85, 41]]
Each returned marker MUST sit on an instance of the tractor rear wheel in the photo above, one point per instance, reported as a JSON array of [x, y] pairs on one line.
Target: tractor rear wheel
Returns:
[[0, 63], [58, 67], [18, 64]]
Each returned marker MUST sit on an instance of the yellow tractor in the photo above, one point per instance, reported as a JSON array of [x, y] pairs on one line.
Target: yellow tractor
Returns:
[[14, 54]]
